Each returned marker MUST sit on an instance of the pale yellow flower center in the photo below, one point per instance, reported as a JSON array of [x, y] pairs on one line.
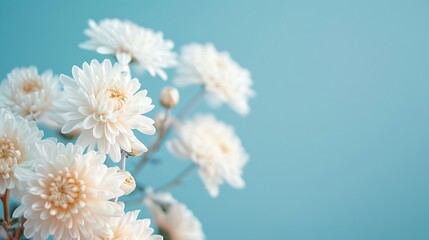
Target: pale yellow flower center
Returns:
[[31, 85], [224, 148], [65, 191], [9, 157], [220, 64], [117, 98]]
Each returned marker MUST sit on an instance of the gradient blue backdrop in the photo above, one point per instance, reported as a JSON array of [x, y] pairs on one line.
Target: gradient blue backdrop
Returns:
[[338, 133]]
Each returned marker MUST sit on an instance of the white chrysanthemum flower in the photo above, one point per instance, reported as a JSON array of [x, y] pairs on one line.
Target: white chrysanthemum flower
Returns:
[[128, 227], [129, 42], [215, 148], [175, 221], [32, 95], [18, 139], [222, 78], [106, 106], [68, 196]]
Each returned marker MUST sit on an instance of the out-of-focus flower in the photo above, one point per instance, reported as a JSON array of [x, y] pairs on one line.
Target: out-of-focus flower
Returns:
[[68, 196], [222, 78], [106, 107], [18, 139], [129, 42], [129, 184], [175, 221], [169, 97], [32, 95], [214, 147], [128, 227]]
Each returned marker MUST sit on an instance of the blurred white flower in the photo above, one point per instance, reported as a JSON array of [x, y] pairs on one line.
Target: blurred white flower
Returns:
[[214, 147], [32, 95], [129, 42], [106, 106], [222, 78], [18, 139], [68, 195], [169, 97], [127, 227], [175, 221]]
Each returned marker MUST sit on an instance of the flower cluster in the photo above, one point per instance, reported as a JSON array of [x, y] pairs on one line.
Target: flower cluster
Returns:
[[81, 189]]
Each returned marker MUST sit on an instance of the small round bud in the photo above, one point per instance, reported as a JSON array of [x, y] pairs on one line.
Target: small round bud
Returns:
[[169, 97], [129, 184]]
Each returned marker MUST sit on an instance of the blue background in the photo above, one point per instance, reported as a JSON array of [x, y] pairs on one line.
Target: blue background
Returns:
[[338, 133]]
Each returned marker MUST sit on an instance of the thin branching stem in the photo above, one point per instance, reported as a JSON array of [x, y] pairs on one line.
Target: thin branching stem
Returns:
[[190, 105], [20, 230], [155, 146], [177, 180], [6, 214], [164, 128], [123, 162]]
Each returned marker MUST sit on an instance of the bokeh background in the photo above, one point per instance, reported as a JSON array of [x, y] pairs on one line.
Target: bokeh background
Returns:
[[338, 133]]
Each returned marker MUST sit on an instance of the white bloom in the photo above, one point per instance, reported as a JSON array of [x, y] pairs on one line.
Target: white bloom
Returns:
[[18, 138], [215, 148], [129, 42], [32, 95], [223, 79], [68, 195], [175, 221], [106, 107], [169, 97], [127, 227]]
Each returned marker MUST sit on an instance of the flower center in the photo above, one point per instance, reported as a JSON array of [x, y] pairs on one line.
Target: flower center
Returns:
[[220, 64], [9, 157], [117, 98], [65, 191], [31, 85], [223, 148]]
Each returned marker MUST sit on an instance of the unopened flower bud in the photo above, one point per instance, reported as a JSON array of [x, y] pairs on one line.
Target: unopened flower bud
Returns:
[[129, 184], [169, 97]]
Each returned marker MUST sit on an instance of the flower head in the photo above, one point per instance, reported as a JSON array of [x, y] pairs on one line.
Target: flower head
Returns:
[[129, 42], [32, 95], [222, 78], [215, 148], [68, 195], [18, 139], [175, 221], [128, 227], [106, 107]]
